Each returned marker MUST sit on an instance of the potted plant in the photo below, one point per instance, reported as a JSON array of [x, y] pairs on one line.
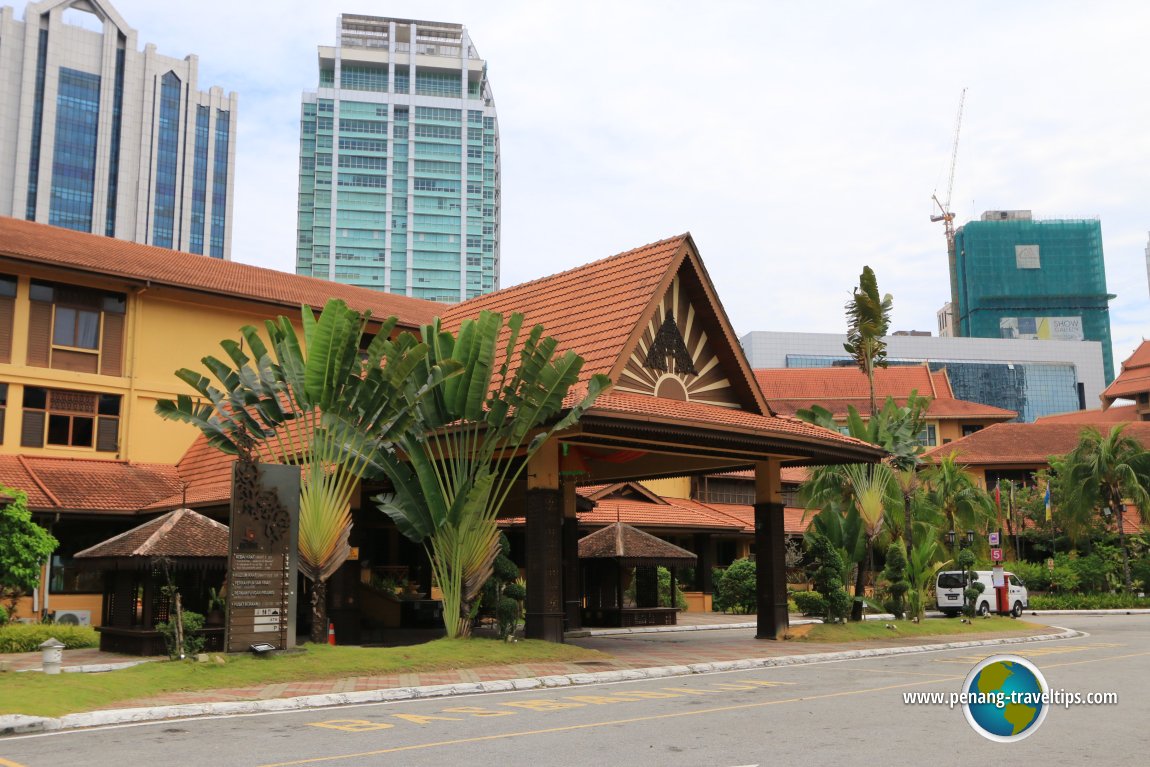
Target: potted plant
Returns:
[[217, 606]]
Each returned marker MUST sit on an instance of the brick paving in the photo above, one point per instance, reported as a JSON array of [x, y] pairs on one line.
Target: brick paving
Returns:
[[626, 651]]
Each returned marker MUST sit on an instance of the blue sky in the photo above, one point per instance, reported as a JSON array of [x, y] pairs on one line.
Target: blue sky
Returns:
[[795, 141]]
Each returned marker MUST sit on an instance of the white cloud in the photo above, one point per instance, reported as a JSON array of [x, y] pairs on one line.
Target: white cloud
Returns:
[[797, 142]]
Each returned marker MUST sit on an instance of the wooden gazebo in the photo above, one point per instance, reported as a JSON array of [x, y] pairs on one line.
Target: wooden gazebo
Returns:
[[607, 556], [183, 545]]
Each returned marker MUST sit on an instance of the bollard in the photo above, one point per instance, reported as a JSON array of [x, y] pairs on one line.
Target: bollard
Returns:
[[52, 651]]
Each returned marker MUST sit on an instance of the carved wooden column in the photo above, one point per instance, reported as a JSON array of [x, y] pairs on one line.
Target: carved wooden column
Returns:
[[770, 552], [572, 585], [544, 545]]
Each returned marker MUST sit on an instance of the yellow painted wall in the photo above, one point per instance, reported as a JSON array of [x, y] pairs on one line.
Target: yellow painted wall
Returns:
[[59, 602], [165, 329], [673, 487]]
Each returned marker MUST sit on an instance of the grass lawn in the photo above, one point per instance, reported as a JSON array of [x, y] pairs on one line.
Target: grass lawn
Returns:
[[933, 627], [38, 695]]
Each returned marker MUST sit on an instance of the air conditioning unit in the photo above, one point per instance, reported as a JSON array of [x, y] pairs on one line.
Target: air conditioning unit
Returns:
[[74, 617]]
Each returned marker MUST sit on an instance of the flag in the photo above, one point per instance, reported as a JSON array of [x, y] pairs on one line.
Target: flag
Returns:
[[1047, 501], [998, 503]]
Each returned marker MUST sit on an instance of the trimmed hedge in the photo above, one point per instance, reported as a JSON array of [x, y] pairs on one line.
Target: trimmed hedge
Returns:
[[27, 637], [1088, 602]]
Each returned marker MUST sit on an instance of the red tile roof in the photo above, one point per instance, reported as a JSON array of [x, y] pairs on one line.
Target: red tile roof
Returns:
[[1024, 443], [109, 257], [637, 407], [1134, 378], [592, 309], [790, 389], [1112, 415], [674, 513], [88, 485], [179, 533], [793, 517]]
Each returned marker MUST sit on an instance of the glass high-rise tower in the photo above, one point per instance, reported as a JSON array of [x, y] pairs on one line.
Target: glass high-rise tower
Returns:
[[399, 162], [100, 137]]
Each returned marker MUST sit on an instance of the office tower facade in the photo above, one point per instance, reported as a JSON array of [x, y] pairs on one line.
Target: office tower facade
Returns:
[[100, 137], [399, 162], [1017, 277]]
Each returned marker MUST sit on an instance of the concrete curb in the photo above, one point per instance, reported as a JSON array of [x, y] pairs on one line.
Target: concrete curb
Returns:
[[583, 633], [19, 724], [1128, 611]]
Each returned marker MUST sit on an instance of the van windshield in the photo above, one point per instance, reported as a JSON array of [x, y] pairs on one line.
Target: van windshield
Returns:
[[950, 581]]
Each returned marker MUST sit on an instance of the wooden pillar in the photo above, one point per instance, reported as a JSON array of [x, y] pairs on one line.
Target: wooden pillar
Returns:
[[705, 551], [544, 546], [770, 552], [572, 586]]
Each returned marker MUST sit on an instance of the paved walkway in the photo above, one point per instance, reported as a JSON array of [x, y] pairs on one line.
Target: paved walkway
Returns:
[[632, 651]]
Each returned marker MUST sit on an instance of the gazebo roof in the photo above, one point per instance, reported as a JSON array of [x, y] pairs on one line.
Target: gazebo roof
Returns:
[[181, 535], [632, 546]]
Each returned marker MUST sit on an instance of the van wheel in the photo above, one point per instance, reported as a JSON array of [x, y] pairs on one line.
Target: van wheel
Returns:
[[1016, 611], [984, 608]]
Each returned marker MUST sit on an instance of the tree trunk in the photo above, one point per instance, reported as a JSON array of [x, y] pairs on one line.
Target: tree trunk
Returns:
[[860, 582], [1122, 543], [908, 521], [318, 612]]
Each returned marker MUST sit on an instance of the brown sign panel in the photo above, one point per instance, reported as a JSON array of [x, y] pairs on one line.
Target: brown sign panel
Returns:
[[263, 554]]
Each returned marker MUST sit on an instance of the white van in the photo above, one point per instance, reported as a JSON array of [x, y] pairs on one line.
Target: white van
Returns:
[[950, 585]]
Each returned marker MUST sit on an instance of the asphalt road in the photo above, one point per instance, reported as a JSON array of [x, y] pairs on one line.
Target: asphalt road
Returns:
[[829, 713]]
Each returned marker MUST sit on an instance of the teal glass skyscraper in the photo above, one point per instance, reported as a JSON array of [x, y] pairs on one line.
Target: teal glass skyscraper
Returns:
[[399, 162], [1017, 277]]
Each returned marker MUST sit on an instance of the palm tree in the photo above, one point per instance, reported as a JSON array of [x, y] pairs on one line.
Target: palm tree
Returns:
[[955, 493], [472, 441], [324, 410], [1102, 472], [868, 319]]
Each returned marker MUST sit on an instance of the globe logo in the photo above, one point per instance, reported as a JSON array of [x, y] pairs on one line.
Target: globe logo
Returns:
[[1004, 698]]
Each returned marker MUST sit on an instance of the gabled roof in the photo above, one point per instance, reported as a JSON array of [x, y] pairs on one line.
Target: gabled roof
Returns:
[[107, 257], [602, 309], [1024, 444], [1134, 378], [789, 390], [180, 533], [794, 517], [88, 485], [632, 546]]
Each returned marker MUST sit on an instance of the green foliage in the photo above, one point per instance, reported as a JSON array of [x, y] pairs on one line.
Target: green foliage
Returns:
[[3, 615], [502, 596], [922, 566], [736, 588], [456, 470], [1088, 601], [956, 494], [868, 319], [828, 577], [322, 405], [24, 546], [810, 603], [193, 642], [27, 637], [896, 577]]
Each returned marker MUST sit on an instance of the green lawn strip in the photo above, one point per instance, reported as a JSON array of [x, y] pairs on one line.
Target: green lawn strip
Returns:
[[35, 694], [935, 627]]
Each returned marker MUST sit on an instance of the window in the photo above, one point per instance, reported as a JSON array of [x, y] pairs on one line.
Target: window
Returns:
[[61, 418], [7, 315], [968, 429], [928, 437], [3, 408], [74, 328]]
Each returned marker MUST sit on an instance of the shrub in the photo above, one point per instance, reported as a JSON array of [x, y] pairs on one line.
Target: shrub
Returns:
[[810, 603], [897, 583], [193, 643], [27, 637], [828, 579], [3, 615], [1088, 602], [736, 589]]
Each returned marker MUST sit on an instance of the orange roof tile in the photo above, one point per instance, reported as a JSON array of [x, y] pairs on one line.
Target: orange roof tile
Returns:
[[88, 485], [655, 409], [1112, 415], [793, 517], [619, 288], [1024, 443], [789, 390], [109, 257], [624, 542], [1134, 378]]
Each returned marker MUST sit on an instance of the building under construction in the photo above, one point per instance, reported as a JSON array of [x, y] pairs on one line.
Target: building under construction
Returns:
[[1015, 277]]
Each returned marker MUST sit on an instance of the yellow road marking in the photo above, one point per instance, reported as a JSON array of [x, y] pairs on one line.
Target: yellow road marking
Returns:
[[590, 725], [5, 763]]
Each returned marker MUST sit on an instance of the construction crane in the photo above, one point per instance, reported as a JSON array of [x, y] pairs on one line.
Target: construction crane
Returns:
[[946, 216]]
